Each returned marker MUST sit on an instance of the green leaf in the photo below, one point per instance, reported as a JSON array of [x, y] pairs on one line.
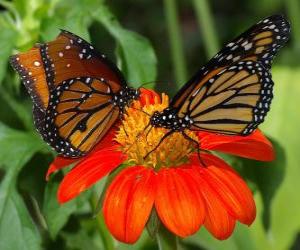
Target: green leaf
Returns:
[[57, 215], [82, 240], [7, 38], [17, 148], [137, 57], [153, 224], [74, 19], [240, 240], [143, 243], [17, 231], [21, 109]]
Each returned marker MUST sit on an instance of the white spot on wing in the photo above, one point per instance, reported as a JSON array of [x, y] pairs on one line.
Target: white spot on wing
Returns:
[[36, 63]]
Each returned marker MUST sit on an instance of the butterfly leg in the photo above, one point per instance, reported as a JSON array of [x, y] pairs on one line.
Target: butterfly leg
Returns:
[[160, 142], [121, 118], [148, 133], [197, 146], [138, 137]]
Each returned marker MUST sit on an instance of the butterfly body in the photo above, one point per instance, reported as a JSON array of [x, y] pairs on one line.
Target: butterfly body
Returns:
[[232, 93]]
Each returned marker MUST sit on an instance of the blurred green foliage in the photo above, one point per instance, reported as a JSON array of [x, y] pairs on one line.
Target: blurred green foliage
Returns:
[[183, 34]]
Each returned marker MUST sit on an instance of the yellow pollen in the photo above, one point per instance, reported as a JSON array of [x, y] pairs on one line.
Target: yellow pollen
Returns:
[[137, 140]]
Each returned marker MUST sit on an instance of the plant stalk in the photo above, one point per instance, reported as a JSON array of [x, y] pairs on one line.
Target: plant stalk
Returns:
[[177, 53], [166, 240], [207, 27], [106, 237]]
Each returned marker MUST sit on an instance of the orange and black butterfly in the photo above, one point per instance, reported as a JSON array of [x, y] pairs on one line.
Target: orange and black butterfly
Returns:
[[77, 93], [232, 93]]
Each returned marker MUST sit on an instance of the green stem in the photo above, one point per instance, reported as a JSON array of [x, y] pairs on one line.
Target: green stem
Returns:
[[106, 237], [166, 240], [175, 41], [207, 27], [293, 8]]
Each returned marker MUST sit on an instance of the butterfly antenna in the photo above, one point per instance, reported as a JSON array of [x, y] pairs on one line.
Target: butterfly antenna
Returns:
[[148, 132], [147, 83], [141, 111], [155, 82], [197, 146]]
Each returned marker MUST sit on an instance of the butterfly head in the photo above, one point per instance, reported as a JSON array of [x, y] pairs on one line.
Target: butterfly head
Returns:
[[125, 96], [132, 93]]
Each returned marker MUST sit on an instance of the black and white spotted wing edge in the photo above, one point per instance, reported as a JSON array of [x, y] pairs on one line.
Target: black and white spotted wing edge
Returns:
[[244, 45], [266, 94], [27, 80]]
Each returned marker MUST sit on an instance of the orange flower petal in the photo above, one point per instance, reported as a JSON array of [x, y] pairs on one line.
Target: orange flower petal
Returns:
[[178, 202], [89, 171], [148, 96], [231, 189], [208, 159], [254, 146], [61, 162], [128, 203], [217, 220]]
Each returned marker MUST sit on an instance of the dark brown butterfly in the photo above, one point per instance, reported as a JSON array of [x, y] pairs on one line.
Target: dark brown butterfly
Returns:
[[77, 93], [232, 93]]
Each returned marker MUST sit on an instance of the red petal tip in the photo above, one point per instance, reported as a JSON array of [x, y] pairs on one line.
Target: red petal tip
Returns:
[[254, 146]]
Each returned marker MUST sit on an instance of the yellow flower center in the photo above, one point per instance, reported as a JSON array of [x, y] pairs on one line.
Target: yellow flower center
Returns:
[[137, 139]]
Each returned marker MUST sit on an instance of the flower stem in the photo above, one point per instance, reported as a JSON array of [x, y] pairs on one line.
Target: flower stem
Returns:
[[107, 239], [207, 26], [175, 41], [166, 240]]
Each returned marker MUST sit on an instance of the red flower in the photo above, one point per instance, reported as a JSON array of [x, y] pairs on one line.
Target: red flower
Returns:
[[185, 194]]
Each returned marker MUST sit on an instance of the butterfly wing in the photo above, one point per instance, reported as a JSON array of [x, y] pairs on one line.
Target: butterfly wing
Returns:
[[260, 43], [79, 114], [68, 80], [233, 101]]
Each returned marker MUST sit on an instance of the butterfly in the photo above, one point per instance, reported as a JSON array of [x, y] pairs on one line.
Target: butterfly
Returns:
[[232, 93], [78, 94]]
